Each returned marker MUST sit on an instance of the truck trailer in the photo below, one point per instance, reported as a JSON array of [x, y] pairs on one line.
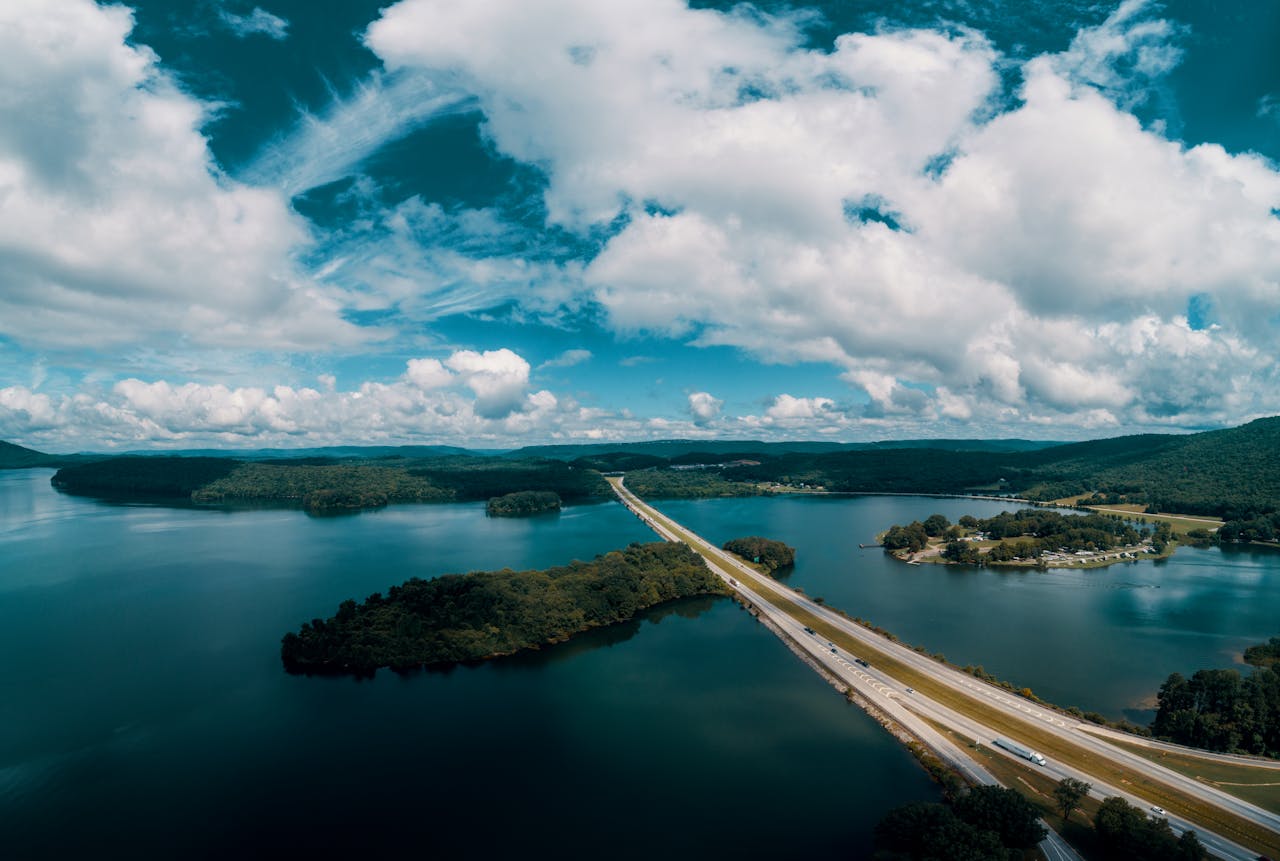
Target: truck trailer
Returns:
[[1018, 750]]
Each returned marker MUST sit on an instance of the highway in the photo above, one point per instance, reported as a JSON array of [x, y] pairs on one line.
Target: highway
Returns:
[[915, 710]]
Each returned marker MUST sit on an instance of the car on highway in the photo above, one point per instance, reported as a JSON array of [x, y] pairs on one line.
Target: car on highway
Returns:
[[861, 662], [911, 690], [834, 650], [808, 630], [1158, 811]]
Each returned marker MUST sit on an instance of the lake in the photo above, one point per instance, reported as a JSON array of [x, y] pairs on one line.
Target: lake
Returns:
[[1102, 639], [145, 713]]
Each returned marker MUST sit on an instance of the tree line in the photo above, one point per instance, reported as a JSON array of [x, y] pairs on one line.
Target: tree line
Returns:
[[992, 823], [1225, 710]]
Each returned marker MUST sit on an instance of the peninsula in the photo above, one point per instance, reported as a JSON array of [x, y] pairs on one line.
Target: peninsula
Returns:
[[1031, 537]]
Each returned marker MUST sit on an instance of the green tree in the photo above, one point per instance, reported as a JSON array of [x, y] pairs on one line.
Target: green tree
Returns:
[[1069, 793], [932, 831], [1005, 812], [935, 525]]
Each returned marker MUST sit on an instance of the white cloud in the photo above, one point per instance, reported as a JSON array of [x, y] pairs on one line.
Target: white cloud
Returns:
[[499, 378], [327, 147], [787, 408], [1037, 231], [117, 225], [567, 359], [466, 399], [704, 408], [258, 21]]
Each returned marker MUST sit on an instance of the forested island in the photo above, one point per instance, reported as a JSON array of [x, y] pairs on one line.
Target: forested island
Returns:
[[485, 614], [1223, 710], [771, 555], [1030, 536], [523, 503], [325, 485]]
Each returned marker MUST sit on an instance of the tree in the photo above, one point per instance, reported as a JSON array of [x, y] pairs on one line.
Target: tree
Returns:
[[1069, 793], [1125, 832], [935, 525], [1006, 812], [932, 831]]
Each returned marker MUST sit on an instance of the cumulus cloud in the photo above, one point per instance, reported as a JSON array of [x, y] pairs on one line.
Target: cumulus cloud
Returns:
[[788, 408], [257, 22], [465, 398], [704, 407], [117, 225], [499, 378], [884, 206]]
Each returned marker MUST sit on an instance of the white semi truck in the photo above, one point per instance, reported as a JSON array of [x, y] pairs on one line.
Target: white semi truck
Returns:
[[1018, 750]]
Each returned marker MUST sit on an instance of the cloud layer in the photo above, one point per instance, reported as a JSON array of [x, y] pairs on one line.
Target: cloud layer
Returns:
[[885, 206], [964, 239], [117, 227]]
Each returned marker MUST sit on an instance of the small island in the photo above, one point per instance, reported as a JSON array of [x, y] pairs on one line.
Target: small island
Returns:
[[523, 503], [486, 614], [770, 555], [1031, 537]]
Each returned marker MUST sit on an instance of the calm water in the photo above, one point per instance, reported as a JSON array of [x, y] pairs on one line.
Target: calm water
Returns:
[[1103, 639], [143, 711]]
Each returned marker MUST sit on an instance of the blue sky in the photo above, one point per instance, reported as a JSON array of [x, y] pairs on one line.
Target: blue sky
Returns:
[[499, 223]]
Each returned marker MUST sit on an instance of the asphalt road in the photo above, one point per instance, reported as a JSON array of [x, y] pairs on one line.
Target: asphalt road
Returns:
[[889, 695]]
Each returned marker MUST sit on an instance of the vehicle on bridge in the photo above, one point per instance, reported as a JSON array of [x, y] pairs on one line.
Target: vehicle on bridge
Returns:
[[1018, 750]]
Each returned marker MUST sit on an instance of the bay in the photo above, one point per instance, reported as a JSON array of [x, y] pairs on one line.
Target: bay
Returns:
[[145, 713], [1102, 639]]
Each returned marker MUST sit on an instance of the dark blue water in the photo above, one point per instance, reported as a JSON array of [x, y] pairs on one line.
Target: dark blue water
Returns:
[[144, 713], [1102, 639]]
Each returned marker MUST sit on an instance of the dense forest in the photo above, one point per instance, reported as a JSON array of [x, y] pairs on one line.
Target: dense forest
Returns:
[[160, 477], [464, 617], [773, 555], [1233, 474], [473, 478], [328, 485], [1223, 710], [686, 484], [522, 503], [320, 488]]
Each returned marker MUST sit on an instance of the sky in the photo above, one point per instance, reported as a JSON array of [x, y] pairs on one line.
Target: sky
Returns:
[[293, 223]]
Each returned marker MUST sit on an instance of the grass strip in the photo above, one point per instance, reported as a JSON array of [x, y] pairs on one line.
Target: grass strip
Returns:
[[1260, 786]]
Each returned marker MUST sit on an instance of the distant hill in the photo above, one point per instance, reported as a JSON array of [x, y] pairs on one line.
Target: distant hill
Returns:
[[333, 452], [1228, 473], [682, 448], [16, 457]]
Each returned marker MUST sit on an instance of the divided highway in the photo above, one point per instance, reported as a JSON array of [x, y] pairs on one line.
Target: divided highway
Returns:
[[973, 705]]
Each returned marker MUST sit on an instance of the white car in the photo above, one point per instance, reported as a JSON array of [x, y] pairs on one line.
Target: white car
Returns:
[[1158, 811]]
